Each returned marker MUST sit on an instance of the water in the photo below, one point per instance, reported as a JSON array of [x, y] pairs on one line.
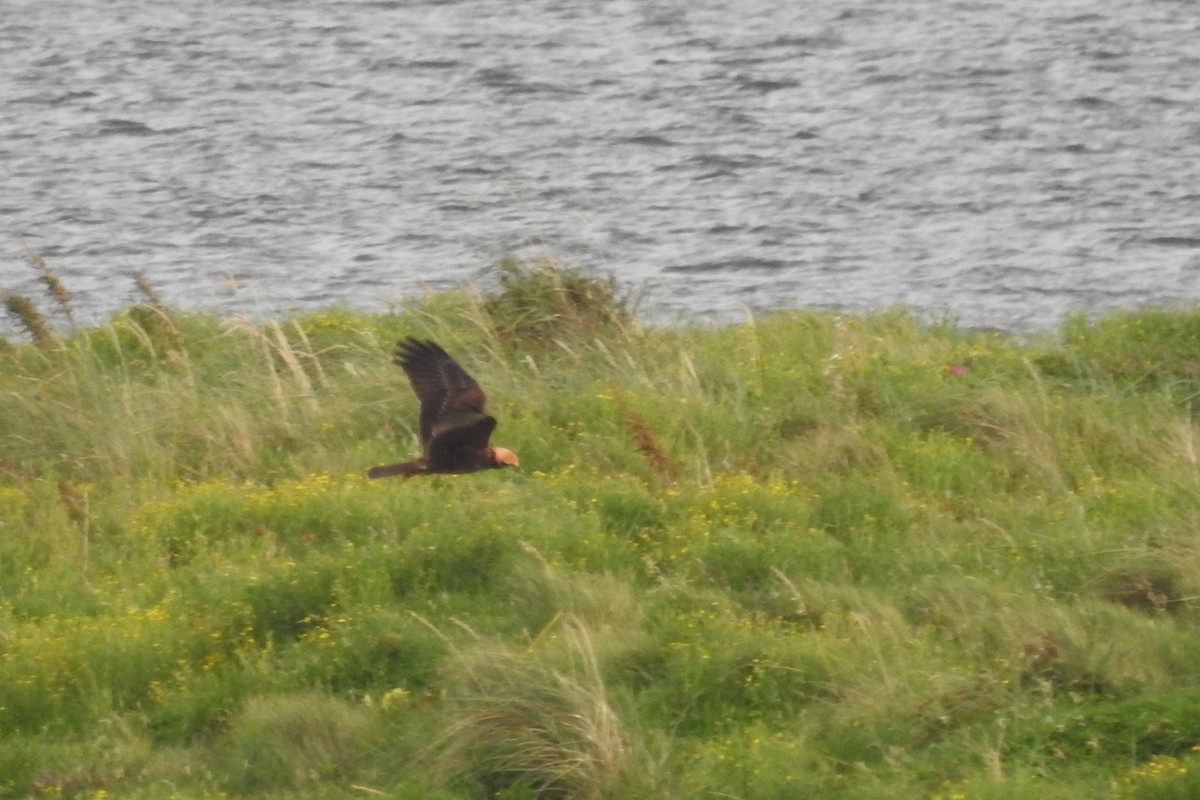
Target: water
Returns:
[[1001, 162]]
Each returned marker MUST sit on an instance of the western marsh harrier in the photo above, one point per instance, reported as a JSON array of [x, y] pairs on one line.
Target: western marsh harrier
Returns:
[[454, 429]]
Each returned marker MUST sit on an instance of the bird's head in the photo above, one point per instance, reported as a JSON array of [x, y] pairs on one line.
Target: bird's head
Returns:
[[504, 457]]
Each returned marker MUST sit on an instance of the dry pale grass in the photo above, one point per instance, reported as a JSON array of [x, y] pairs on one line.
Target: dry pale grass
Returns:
[[537, 717]]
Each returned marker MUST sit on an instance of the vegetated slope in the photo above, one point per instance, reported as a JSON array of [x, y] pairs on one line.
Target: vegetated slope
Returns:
[[809, 555]]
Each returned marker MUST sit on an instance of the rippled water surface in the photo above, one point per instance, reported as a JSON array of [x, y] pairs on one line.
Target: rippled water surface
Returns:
[[1000, 161]]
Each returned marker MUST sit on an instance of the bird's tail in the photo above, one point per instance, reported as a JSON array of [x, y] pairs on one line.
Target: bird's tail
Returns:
[[407, 469]]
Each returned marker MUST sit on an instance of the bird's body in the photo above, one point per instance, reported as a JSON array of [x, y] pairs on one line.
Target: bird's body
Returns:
[[454, 430]]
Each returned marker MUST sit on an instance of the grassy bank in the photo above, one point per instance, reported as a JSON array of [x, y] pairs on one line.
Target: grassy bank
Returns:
[[805, 556]]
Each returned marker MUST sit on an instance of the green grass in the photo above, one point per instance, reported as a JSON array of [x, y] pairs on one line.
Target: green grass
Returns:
[[805, 556]]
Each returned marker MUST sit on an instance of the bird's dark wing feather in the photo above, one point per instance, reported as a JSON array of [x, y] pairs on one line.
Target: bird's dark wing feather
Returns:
[[458, 442], [450, 398]]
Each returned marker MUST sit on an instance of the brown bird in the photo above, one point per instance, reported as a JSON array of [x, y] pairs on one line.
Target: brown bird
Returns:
[[454, 430]]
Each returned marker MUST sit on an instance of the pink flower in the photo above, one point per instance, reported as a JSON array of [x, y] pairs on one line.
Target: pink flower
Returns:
[[958, 370]]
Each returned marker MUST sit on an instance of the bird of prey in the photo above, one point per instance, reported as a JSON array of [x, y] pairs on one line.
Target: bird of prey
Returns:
[[454, 429]]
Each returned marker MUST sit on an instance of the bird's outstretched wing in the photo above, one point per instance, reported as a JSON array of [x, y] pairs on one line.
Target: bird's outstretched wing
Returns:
[[452, 402]]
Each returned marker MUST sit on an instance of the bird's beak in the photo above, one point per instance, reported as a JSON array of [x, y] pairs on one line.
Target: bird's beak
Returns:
[[505, 457]]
